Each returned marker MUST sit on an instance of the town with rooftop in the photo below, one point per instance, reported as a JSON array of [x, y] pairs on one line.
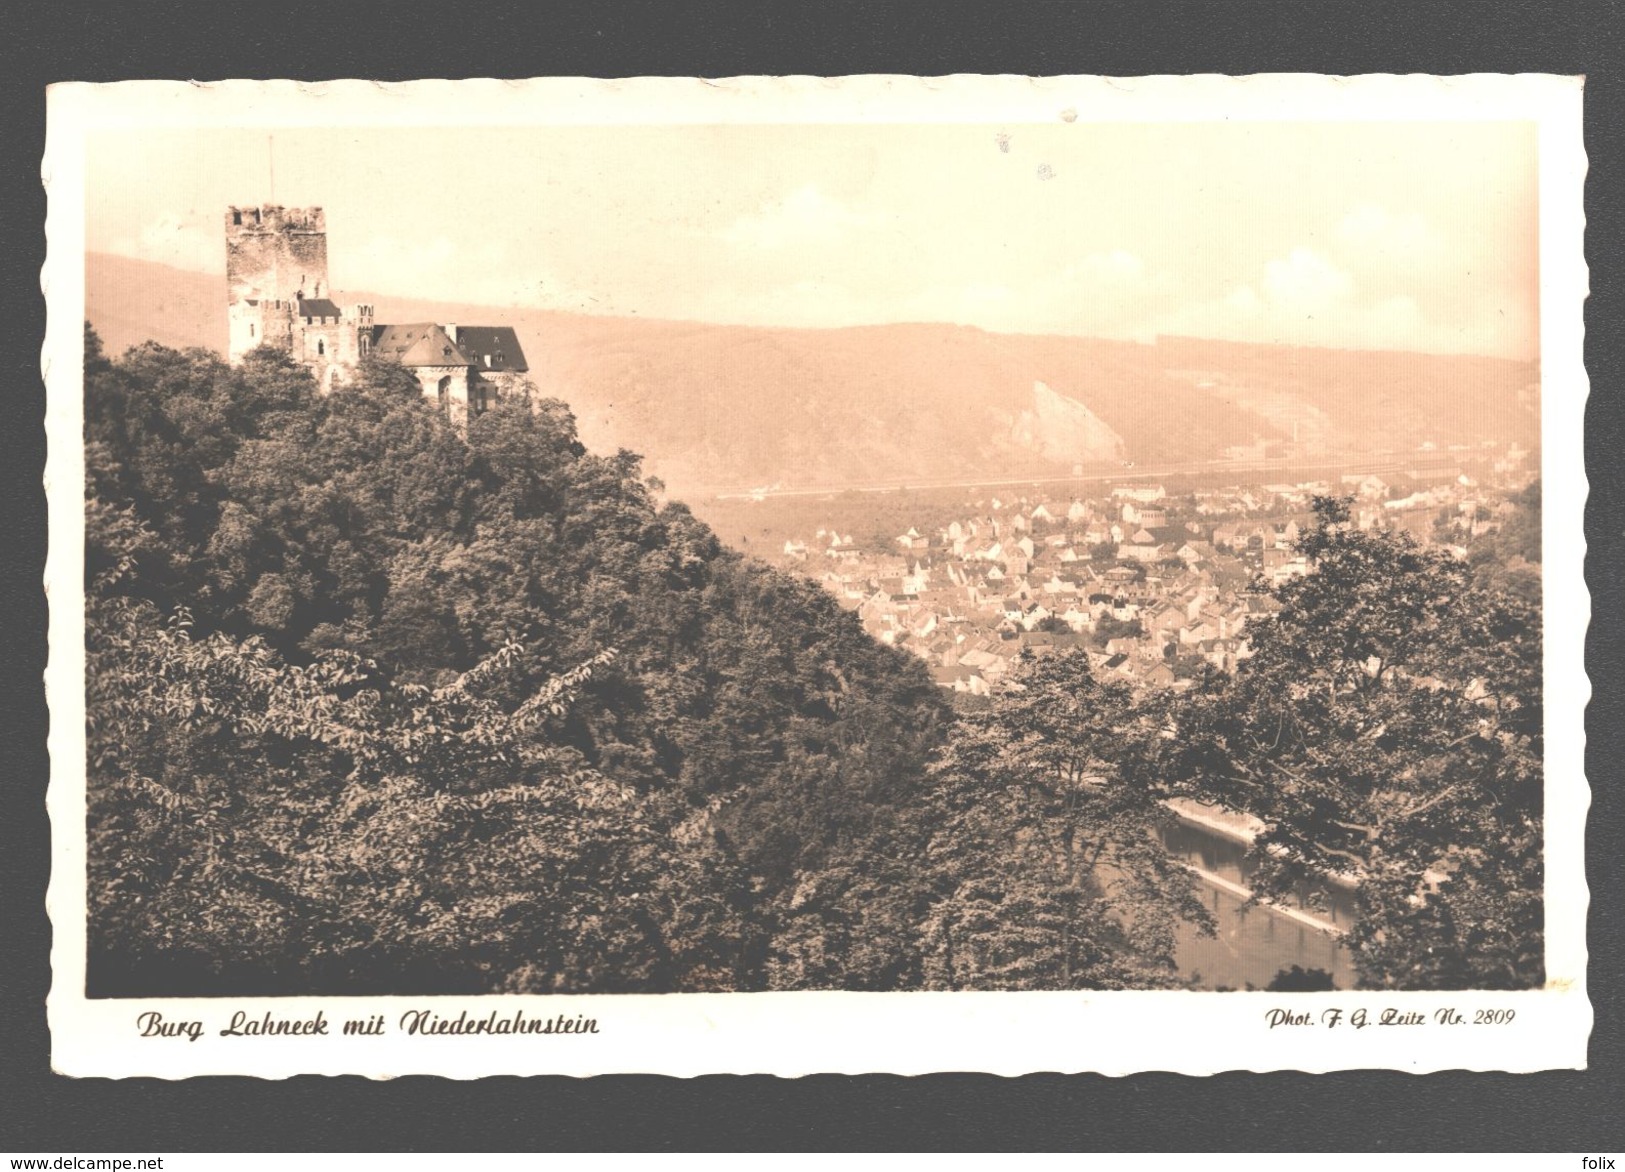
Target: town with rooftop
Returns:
[[1154, 578]]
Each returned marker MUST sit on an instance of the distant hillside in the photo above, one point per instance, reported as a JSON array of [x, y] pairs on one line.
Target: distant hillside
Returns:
[[722, 405], [134, 301], [1370, 400]]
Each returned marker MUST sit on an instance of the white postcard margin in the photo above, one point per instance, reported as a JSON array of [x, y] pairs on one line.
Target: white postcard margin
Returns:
[[794, 1034]]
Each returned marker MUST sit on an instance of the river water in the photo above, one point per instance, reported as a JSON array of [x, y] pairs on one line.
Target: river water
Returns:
[[1252, 944]]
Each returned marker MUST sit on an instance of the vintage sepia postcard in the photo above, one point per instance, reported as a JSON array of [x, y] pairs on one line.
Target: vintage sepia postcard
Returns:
[[795, 575]]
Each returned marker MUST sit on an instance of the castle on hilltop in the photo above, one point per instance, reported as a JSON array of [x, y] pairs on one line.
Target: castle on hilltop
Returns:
[[277, 294]]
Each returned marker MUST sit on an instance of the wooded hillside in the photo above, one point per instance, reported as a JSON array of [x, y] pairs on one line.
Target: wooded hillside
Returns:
[[373, 701]]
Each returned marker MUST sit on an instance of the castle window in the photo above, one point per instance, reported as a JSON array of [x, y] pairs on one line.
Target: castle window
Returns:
[[236, 217], [250, 329], [256, 215], [321, 347], [366, 344]]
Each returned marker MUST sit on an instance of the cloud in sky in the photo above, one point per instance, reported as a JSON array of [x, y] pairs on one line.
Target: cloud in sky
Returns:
[[185, 242], [1116, 267], [804, 218], [1304, 282], [1300, 298], [1350, 300], [1403, 241], [433, 263]]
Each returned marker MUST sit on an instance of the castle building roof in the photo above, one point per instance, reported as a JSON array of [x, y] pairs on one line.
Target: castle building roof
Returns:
[[492, 347], [310, 307], [418, 344]]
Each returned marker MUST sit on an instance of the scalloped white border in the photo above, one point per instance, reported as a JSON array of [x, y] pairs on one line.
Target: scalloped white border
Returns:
[[803, 1033]]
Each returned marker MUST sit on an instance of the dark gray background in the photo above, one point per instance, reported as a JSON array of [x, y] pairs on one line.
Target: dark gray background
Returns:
[[1573, 1111]]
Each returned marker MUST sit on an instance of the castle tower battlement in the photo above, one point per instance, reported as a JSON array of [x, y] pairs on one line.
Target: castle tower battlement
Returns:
[[275, 258]]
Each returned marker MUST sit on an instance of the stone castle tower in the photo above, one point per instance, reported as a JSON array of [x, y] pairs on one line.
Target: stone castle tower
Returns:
[[277, 291], [277, 294]]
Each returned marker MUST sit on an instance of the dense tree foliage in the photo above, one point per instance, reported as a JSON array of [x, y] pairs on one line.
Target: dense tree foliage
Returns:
[[1297, 979], [1506, 558], [1043, 854], [319, 628], [1388, 729]]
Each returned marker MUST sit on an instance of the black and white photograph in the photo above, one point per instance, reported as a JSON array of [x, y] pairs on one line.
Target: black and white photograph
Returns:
[[546, 566]]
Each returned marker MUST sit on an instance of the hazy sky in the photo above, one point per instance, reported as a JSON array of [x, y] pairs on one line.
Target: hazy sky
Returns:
[[1413, 236]]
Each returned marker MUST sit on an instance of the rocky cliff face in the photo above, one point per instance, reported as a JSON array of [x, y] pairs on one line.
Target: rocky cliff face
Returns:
[[1062, 429]]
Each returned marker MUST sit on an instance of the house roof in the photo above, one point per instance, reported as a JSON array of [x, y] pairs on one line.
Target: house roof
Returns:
[[492, 347]]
